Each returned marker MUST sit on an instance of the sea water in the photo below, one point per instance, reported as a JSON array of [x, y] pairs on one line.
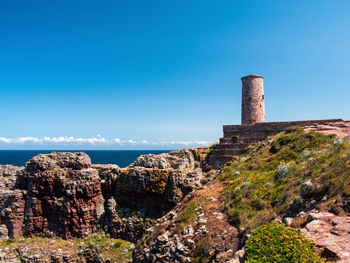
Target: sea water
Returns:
[[121, 158]]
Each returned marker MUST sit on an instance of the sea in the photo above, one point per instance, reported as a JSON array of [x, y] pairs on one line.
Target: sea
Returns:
[[122, 158]]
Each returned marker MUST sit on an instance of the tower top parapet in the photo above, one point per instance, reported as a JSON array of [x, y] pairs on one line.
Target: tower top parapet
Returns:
[[252, 76]]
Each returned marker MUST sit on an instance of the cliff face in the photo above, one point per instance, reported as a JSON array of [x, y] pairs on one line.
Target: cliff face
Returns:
[[174, 211], [147, 189], [58, 194], [62, 195]]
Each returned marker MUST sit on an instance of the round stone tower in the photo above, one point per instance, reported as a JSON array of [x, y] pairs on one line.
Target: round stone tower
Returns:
[[253, 100]]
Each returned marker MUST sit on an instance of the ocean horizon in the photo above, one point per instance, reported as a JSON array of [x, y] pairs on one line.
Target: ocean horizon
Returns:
[[121, 158]]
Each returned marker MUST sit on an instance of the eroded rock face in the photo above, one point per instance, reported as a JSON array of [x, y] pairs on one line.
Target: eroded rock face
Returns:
[[153, 183], [125, 223], [152, 161], [184, 160], [191, 231], [325, 222], [147, 189], [154, 190], [12, 202], [166, 243], [12, 212], [57, 194], [8, 171], [331, 234], [63, 195]]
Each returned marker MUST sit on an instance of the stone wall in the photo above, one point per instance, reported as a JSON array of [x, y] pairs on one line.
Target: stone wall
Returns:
[[238, 137]]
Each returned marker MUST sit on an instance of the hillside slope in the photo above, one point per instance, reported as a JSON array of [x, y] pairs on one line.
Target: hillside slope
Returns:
[[300, 179]]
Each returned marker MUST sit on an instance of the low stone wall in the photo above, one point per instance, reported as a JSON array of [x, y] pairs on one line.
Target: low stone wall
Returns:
[[332, 126], [238, 137]]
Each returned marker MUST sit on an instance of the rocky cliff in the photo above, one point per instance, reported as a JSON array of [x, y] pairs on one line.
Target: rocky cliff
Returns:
[[61, 195], [298, 179], [174, 208], [58, 194]]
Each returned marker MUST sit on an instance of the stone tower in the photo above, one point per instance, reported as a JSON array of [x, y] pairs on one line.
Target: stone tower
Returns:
[[253, 100]]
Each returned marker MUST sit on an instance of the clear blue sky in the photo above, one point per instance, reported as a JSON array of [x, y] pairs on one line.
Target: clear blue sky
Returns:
[[164, 70]]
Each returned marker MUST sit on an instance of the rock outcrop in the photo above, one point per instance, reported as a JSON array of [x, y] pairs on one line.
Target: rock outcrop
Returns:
[[331, 234], [171, 207], [328, 224], [12, 203], [194, 229], [57, 194], [147, 189], [63, 195]]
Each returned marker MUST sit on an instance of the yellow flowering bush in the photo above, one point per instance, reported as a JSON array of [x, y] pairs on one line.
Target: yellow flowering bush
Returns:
[[274, 242]]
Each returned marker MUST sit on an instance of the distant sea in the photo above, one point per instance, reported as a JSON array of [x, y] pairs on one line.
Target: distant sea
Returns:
[[120, 157]]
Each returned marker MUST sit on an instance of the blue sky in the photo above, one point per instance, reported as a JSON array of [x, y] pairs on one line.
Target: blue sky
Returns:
[[164, 74]]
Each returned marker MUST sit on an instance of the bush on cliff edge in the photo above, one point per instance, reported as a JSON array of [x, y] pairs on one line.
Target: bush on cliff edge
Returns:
[[274, 242]]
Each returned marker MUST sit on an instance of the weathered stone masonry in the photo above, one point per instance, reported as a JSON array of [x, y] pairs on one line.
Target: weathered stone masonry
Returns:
[[253, 129], [253, 99]]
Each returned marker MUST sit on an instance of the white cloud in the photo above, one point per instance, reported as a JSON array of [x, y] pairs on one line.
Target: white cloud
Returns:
[[117, 140], [5, 140], [98, 140], [46, 139]]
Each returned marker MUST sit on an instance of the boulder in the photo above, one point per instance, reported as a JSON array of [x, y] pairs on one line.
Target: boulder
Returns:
[[306, 188], [152, 161]]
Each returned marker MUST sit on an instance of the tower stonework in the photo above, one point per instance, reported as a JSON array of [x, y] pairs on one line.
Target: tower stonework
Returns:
[[253, 100], [254, 129]]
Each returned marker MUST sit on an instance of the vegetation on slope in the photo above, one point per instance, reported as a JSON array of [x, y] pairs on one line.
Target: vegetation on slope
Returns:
[[261, 184], [188, 215], [274, 242], [97, 245]]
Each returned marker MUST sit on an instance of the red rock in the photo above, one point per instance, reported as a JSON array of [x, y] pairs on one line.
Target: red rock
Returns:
[[60, 195], [12, 211], [331, 234]]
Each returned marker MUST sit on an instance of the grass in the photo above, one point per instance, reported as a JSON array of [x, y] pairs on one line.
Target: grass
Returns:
[[209, 151], [202, 250], [258, 193], [98, 243], [187, 215]]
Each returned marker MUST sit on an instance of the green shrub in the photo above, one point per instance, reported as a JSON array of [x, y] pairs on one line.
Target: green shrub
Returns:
[[209, 151], [274, 242], [8, 241], [233, 215], [117, 244]]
